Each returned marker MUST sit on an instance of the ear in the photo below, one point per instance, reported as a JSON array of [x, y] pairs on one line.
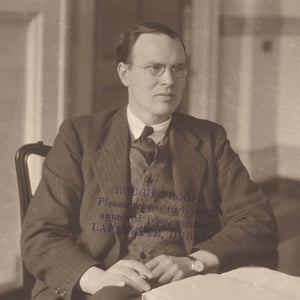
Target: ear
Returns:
[[122, 70]]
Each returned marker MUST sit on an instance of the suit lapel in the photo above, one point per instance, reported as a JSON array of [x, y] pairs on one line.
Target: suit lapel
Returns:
[[111, 163], [188, 168]]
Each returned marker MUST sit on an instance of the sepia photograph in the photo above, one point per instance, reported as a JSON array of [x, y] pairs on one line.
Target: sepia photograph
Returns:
[[151, 149]]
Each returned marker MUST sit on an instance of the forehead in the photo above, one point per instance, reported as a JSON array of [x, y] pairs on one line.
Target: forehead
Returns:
[[159, 48]]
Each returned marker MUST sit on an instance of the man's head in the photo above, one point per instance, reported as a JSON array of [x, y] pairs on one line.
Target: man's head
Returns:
[[152, 65]]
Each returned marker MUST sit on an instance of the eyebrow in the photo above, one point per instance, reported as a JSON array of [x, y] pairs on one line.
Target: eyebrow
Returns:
[[159, 63]]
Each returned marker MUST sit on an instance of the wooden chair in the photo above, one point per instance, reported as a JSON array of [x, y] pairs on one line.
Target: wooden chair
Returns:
[[25, 193]]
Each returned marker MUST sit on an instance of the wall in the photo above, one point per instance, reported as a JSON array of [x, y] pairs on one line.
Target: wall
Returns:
[[201, 37], [259, 71], [32, 98], [288, 134], [12, 87]]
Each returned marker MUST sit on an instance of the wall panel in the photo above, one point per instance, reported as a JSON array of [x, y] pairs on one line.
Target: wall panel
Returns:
[[33, 81]]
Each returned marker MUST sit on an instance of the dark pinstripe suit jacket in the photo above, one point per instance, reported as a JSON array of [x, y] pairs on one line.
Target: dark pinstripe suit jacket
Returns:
[[89, 160]]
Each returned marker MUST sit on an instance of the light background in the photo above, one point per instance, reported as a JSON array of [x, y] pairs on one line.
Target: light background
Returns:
[[56, 61]]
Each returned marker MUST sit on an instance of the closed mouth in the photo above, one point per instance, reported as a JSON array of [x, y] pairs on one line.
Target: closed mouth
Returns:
[[166, 94]]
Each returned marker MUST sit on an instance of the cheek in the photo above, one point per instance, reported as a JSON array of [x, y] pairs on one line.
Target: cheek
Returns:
[[148, 88], [180, 90], [142, 85], [181, 85]]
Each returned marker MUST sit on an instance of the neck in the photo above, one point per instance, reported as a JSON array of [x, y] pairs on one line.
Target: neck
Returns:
[[151, 121]]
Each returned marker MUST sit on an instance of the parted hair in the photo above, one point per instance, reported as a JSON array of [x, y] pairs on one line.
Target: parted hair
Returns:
[[128, 37]]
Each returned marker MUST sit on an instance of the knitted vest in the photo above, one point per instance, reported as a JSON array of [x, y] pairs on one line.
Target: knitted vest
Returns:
[[153, 222]]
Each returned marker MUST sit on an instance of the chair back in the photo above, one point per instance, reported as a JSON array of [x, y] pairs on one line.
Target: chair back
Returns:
[[25, 193]]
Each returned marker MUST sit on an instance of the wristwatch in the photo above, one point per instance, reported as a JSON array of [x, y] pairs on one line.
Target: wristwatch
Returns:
[[196, 265]]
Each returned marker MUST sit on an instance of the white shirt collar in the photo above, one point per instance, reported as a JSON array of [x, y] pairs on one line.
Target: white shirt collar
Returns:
[[136, 127]]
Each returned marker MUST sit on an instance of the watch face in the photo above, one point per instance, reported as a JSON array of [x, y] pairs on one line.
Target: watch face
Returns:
[[198, 266]]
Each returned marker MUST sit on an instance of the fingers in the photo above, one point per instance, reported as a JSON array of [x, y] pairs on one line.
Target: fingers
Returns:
[[143, 270], [172, 274], [159, 265], [115, 282], [133, 273], [133, 279], [154, 262], [163, 269], [166, 269]]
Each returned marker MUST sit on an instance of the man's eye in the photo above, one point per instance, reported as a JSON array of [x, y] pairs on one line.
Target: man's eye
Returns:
[[179, 68], [156, 68]]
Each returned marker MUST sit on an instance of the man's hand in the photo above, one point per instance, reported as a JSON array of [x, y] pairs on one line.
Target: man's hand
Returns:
[[123, 273], [166, 268]]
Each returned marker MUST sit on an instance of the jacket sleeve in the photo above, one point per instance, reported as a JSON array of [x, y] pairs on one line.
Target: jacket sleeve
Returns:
[[49, 247], [249, 229]]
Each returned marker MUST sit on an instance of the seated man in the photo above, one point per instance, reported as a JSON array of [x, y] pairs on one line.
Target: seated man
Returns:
[[140, 196]]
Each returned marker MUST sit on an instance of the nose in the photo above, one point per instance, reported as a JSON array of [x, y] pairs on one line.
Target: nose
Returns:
[[168, 77]]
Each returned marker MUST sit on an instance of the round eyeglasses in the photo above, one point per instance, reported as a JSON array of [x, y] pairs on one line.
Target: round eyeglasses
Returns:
[[159, 69]]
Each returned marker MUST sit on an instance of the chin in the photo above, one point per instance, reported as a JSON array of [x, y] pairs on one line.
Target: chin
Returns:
[[165, 108], [163, 112]]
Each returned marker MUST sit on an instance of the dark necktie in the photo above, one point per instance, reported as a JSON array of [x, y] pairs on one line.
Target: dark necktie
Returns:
[[146, 145]]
